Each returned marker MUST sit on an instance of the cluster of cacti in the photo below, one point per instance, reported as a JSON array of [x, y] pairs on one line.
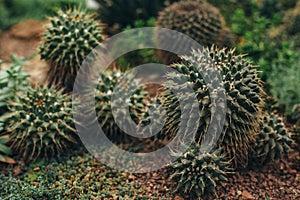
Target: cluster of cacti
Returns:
[[40, 123], [197, 174], [118, 14], [68, 40], [273, 141], [243, 90], [198, 19], [136, 98], [12, 80]]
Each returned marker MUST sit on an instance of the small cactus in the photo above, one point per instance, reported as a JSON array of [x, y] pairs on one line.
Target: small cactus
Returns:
[[137, 102], [69, 39], [196, 175], [273, 140], [40, 124]]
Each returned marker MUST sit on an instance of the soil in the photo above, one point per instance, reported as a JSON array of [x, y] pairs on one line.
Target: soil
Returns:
[[22, 40]]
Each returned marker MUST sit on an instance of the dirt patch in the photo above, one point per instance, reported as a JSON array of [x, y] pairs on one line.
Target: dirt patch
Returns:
[[21, 39]]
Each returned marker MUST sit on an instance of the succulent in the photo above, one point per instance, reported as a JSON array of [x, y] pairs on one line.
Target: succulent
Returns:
[[198, 19], [137, 101], [118, 13], [273, 140], [12, 80], [40, 123], [196, 175], [243, 90], [5, 151], [69, 39]]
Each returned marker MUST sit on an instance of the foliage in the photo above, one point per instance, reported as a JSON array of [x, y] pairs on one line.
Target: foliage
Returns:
[[12, 188], [68, 40], [12, 80], [40, 124], [76, 177], [13, 11], [286, 88], [140, 56]]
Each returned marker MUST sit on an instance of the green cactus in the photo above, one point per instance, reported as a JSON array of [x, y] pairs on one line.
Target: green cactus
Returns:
[[196, 175], [273, 140], [137, 102], [40, 124], [69, 38], [197, 19], [243, 89]]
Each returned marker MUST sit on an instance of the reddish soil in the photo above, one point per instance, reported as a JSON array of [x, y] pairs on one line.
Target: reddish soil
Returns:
[[22, 40]]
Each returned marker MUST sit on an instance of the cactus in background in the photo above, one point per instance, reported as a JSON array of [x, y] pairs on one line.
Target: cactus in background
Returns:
[[243, 89], [119, 13], [40, 124], [197, 19], [273, 140], [137, 102], [197, 175], [69, 38]]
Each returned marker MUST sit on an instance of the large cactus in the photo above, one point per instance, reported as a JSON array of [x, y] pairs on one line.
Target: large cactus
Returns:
[[243, 90]]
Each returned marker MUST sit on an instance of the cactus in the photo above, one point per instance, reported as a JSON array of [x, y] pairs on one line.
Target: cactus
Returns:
[[68, 40], [40, 123], [243, 89], [197, 19], [197, 175], [103, 97], [273, 140]]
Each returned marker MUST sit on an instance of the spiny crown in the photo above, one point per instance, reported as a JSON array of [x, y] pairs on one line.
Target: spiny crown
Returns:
[[41, 123]]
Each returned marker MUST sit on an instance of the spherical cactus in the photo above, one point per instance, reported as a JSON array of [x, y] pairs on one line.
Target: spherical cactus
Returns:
[[196, 175], [40, 124], [69, 38], [137, 101], [243, 90], [197, 19], [273, 140]]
